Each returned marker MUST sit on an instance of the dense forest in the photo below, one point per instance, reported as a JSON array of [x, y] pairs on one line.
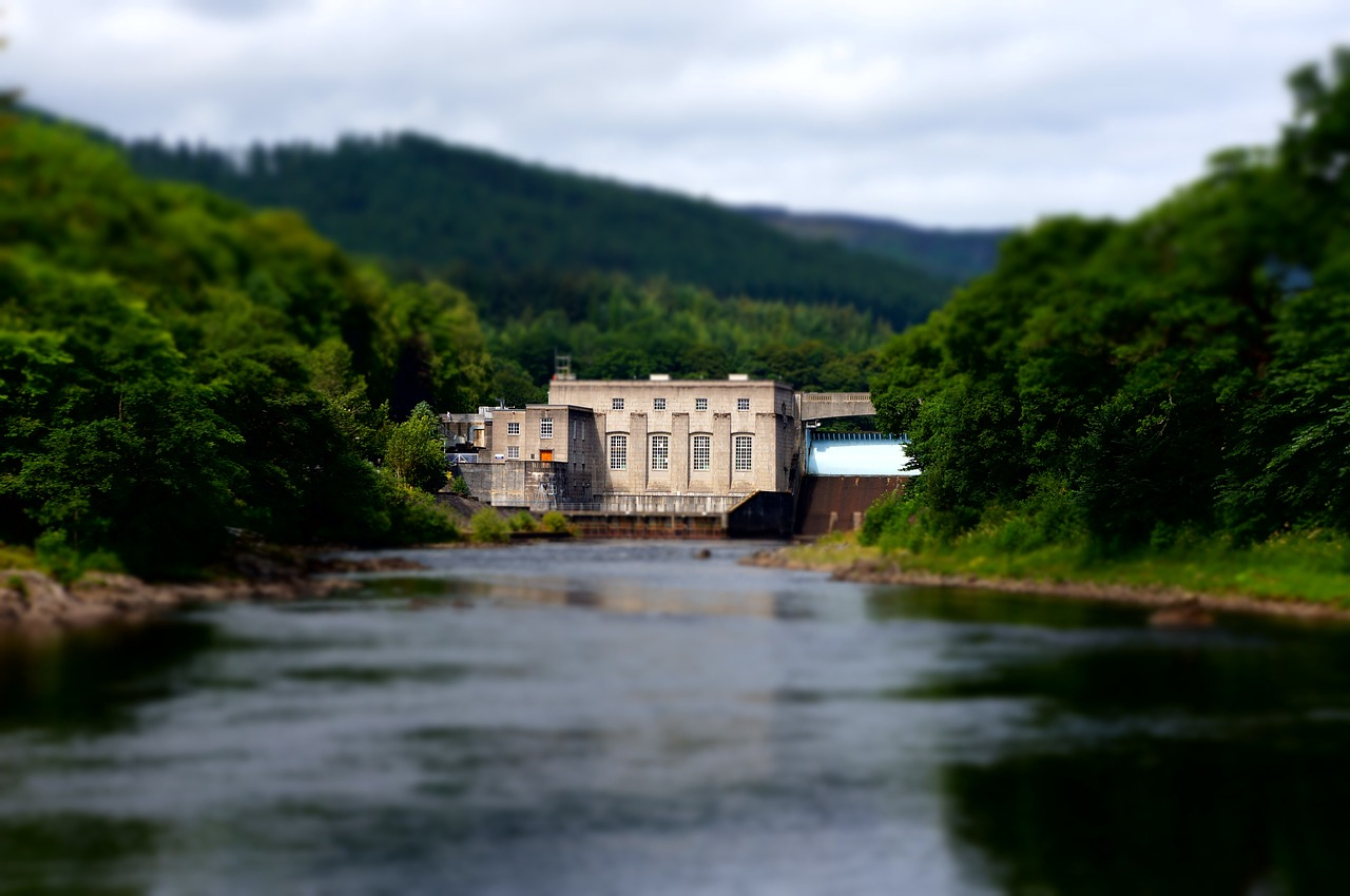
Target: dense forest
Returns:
[[1182, 375], [956, 255], [615, 328], [173, 364], [493, 226], [557, 263]]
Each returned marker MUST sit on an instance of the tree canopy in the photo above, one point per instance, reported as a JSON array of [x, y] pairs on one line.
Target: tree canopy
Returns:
[[1187, 369]]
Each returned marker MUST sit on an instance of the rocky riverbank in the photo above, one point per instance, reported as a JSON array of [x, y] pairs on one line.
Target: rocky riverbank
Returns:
[[32, 600], [1172, 607]]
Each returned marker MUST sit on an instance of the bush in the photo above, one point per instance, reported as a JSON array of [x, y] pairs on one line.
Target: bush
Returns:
[[458, 485], [413, 451], [890, 513], [414, 518], [522, 522], [62, 561], [554, 521], [489, 528], [15, 557]]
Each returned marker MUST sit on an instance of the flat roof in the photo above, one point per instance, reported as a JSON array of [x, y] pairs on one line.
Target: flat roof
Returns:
[[656, 383]]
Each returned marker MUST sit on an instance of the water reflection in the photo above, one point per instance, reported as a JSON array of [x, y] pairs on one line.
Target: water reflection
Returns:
[[1162, 816], [1158, 762], [590, 719], [89, 680]]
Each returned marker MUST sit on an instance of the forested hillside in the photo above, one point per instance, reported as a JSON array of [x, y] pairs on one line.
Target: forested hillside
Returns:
[[483, 221], [1177, 376], [172, 364], [956, 255]]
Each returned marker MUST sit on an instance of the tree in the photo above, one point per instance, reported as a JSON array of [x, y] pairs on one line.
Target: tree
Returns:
[[414, 452]]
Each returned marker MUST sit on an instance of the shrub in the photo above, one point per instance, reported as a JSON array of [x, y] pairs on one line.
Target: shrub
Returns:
[[522, 522], [487, 527], [554, 521], [14, 557], [413, 450], [65, 563], [458, 485], [889, 513]]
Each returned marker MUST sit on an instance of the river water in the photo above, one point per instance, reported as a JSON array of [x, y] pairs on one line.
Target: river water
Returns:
[[622, 718]]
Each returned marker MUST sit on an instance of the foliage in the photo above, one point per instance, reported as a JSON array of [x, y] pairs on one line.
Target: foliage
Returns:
[[459, 486], [1119, 384], [17, 557], [501, 230], [522, 521], [172, 364], [487, 526], [615, 328], [413, 450], [1301, 564], [57, 557], [555, 522], [413, 518], [956, 254]]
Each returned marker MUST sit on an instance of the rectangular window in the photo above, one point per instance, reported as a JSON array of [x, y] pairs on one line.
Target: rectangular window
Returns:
[[513, 452], [660, 452], [616, 404], [658, 404], [742, 404], [700, 404], [545, 429], [702, 452], [744, 453], [618, 452], [513, 429]]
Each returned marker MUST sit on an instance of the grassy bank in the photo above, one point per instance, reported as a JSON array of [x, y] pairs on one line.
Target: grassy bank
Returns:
[[1300, 566]]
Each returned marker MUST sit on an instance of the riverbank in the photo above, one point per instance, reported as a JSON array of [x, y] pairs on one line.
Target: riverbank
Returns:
[[31, 600], [846, 560]]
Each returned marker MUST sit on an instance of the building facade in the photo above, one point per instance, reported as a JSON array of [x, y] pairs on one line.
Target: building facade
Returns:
[[657, 446]]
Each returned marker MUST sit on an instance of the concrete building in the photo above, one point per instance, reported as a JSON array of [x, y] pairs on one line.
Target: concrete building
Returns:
[[680, 457], [656, 447]]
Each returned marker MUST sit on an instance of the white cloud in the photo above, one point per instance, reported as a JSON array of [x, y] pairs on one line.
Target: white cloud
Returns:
[[964, 112]]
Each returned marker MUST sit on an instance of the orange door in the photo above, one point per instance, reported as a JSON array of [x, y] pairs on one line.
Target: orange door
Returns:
[[546, 455]]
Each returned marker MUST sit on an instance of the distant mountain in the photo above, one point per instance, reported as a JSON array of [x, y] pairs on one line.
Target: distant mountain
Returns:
[[421, 205], [946, 254]]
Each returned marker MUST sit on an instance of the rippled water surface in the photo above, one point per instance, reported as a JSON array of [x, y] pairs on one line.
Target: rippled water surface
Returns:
[[623, 718]]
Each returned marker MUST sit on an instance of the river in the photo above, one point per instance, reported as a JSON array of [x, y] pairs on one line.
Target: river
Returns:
[[622, 718]]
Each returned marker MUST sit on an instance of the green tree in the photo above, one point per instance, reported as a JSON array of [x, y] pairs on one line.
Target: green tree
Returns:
[[414, 452]]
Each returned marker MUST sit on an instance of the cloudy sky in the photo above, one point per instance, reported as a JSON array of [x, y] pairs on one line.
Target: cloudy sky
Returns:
[[950, 112]]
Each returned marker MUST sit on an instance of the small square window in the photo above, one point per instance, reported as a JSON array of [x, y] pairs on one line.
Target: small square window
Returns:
[[616, 404], [742, 404], [545, 429], [658, 404], [700, 404], [513, 429], [513, 452]]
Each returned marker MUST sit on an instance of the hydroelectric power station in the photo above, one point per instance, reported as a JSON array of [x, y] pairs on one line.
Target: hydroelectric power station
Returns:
[[679, 458]]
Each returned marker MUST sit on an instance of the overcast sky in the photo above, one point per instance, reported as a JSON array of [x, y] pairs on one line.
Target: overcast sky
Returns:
[[950, 112]]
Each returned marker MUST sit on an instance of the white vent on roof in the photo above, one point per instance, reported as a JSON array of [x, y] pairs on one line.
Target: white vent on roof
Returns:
[[738, 377], [660, 377]]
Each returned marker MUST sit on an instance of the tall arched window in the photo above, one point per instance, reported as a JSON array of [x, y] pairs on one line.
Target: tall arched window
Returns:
[[660, 452], [618, 452], [701, 453], [743, 453]]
